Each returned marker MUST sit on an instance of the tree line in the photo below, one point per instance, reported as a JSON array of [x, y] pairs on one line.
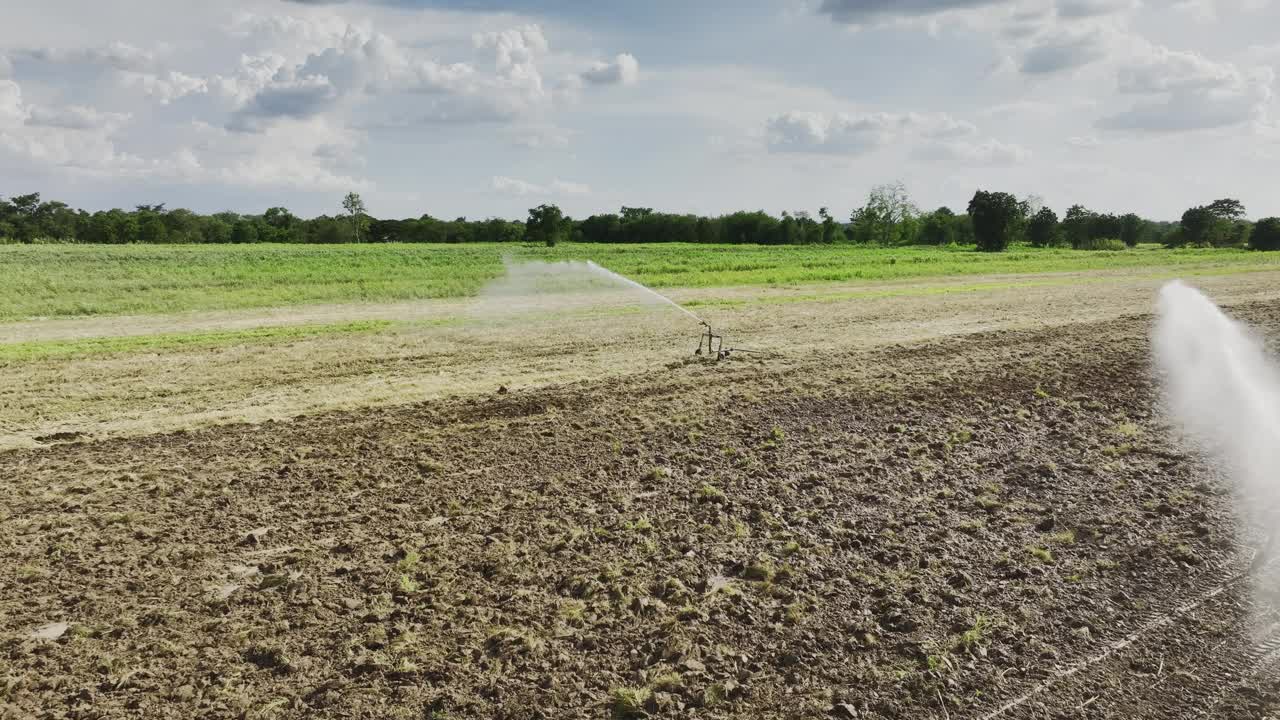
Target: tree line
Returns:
[[992, 221]]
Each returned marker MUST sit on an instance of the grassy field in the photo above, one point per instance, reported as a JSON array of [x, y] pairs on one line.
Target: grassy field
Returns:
[[85, 280], [177, 342]]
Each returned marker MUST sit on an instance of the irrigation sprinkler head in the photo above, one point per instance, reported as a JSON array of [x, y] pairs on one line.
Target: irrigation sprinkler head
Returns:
[[714, 343]]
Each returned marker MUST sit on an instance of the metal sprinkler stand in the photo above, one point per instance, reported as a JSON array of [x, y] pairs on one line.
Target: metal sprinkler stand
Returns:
[[714, 343]]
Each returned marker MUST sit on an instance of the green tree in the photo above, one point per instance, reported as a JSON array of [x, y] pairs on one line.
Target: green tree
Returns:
[[354, 206], [630, 214], [1198, 226], [152, 230], [23, 216], [546, 224], [1077, 225], [830, 228], [183, 226], [995, 216], [1226, 209], [939, 227], [1218, 224], [1042, 229], [1131, 229], [101, 228], [244, 231], [601, 228], [1266, 234], [887, 218], [281, 226]]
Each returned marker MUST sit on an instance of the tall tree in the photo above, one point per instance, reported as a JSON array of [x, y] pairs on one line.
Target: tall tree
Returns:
[[1131, 229], [1266, 234], [152, 230], [355, 208], [1198, 226], [1042, 230], [1077, 225], [546, 224], [829, 226], [1226, 209], [244, 231], [939, 227], [887, 218], [281, 225], [995, 215]]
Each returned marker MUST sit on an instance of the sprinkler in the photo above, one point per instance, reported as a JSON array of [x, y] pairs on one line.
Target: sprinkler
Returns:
[[715, 345], [709, 338]]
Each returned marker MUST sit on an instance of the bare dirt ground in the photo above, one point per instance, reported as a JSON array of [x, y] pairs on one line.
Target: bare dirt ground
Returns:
[[445, 349], [976, 513]]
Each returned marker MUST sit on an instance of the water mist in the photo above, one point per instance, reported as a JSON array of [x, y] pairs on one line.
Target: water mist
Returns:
[[1224, 390], [535, 286]]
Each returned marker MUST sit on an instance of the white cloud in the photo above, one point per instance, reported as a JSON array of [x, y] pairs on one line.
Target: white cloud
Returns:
[[1157, 69], [1213, 10], [840, 133], [516, 51], [303, 97], [871, 12], [361, 64], [541, 138], [564, 187], [623, 70], [1188, 91], [166, 87], [117, 55], [985, 152], [1187, 111], [254, 73], [78, 141], [312, 154], [89, 153], [13, 111], [845, 133], [1063, 50], [349, 95], [514, 186], [76, 117], [273, 172], [1094, 8], [72, 137], [1084, 142], [941, 126], [289, 35]]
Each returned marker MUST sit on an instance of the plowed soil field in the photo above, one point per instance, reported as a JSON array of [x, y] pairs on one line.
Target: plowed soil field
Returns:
[[990, 524]]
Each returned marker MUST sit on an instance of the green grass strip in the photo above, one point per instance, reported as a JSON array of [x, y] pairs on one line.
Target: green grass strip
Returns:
[[177, 342]]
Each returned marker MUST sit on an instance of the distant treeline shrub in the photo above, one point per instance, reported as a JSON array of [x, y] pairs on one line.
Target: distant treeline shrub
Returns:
[[993, 221], [1101, 244]]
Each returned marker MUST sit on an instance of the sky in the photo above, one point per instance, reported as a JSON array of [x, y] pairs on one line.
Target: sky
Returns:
[[483, 108]]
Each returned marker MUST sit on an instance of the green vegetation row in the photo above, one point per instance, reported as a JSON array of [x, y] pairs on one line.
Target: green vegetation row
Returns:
[[80, 280], [992, 221], [171, 342]]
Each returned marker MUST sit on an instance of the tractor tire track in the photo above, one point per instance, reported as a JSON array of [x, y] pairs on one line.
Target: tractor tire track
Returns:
[[1212, 593]]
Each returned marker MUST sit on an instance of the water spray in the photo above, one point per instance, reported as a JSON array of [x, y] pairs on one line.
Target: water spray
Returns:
[[1223, 388], [526, 280]]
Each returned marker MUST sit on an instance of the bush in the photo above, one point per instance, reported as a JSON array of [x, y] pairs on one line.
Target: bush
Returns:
[[994, 215], [1100, 244], [1266, 234]]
